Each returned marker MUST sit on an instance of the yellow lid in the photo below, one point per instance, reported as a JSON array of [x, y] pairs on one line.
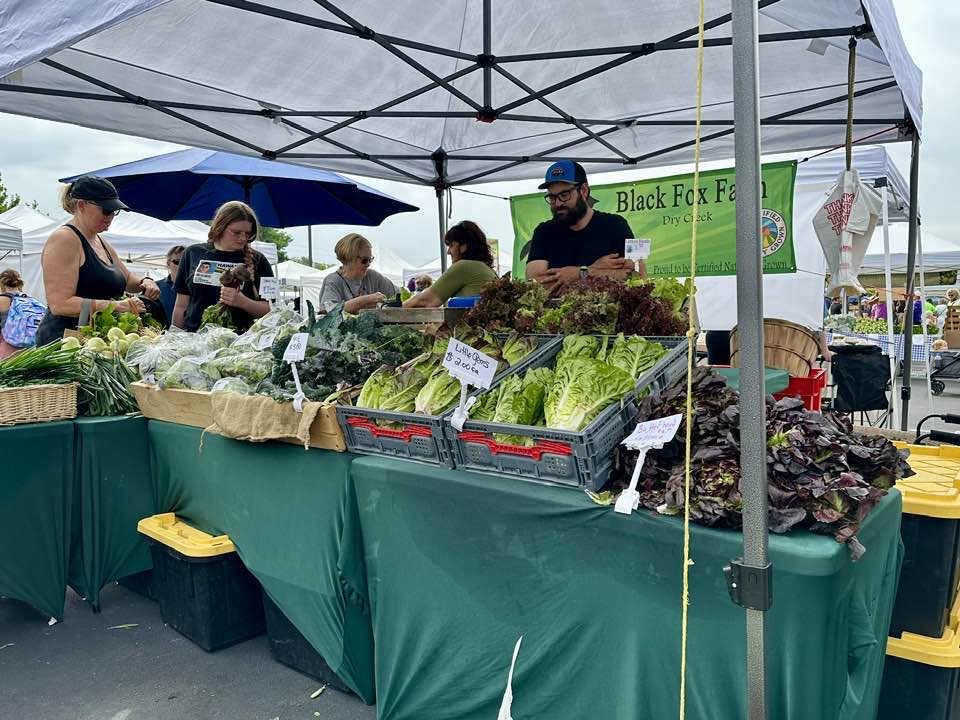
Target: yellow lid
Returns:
[[935, 489], [189, 541], [943, 652]]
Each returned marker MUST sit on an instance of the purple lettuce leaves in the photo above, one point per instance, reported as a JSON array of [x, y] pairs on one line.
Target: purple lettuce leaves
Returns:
[[821, 475]]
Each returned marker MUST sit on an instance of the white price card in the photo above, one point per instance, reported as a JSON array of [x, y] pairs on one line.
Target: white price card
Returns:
[[653, 433], [269, 288], [296, 349], [469, 365], [637, 248]]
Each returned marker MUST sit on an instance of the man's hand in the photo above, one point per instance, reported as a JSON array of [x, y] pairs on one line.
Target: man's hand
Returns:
[[556, 278], [612, 266]]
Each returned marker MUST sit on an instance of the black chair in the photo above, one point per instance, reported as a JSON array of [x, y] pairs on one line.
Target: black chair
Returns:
[[861, 379]]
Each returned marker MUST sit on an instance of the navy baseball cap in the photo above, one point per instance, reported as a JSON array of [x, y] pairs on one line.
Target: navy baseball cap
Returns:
[[566, 171], [97, 190]]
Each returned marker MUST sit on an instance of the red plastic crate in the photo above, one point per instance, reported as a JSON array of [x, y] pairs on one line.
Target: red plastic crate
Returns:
[[807, 388]]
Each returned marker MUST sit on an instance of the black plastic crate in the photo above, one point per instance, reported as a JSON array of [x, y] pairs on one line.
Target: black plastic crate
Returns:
[[141, 583], [290, 647], [915, 690], [213, 601], [928, 580]]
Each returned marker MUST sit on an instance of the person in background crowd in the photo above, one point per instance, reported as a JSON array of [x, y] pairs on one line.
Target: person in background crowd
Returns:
[[953, 297], [233, 229], [422, 282], [836, 308], [578, 241], [168, 293], [79, 265], [471, 268], [11, 285], [878, 310], [355, 283]]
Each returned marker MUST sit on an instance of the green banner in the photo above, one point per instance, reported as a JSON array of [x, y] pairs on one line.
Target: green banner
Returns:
[[661, 209]]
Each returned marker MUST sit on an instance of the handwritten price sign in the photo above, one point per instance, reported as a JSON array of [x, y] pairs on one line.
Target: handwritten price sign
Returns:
[[296, 349], [470, 365]]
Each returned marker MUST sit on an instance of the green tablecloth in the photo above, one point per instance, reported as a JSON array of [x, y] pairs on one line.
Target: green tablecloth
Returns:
[[459, 565], [283, 507], [775, 380], [36, 486], [112, 492]]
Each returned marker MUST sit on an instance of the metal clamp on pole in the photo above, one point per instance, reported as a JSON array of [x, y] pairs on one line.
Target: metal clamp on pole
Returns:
[[749, 586]]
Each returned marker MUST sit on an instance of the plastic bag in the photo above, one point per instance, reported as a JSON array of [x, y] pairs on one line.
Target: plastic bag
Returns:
[[234, 385], [279, 323], [190, 374], [215, 337]]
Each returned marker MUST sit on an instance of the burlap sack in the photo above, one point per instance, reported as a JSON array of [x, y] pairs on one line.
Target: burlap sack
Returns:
[[257, 418]]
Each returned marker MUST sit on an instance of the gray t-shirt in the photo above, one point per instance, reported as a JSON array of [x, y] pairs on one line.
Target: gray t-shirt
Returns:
[[337, 288]]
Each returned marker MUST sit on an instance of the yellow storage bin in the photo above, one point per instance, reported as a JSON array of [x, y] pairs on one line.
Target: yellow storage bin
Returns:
[[166, 528], [930, 529], [920, 675]]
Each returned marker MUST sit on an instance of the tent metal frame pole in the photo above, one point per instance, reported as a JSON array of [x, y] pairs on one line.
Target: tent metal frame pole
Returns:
[[923, 317], [888, 284], [442, 227], [487, 60], [310, 244], [911, 267], [753, 409]]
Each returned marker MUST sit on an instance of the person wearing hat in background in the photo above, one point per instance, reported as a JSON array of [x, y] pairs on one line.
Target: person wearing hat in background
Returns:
[[579, 241], [878, 310], [79, 265], [168, 293]]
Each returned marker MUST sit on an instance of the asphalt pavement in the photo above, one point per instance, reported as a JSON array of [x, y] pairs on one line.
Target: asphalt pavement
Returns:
[[125, 664]]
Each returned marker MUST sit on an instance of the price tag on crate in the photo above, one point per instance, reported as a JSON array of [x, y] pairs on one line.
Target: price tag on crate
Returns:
[[470, 367], [650, 435], [269, 288], [294, 354]]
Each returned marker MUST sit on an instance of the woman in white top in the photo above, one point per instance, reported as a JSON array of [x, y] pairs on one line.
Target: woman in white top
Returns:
[[354, 283]]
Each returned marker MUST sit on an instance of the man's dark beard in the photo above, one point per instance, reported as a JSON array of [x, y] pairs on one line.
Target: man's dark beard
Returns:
[[574, 215]]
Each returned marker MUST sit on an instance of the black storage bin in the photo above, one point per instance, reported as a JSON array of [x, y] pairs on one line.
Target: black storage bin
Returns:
[[912, 690], [140, 583], [290, 647], [928, 580], [205, 591]]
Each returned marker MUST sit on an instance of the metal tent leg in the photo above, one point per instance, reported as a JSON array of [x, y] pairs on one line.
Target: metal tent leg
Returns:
[[911, 263], [442, 225], [753, 449]]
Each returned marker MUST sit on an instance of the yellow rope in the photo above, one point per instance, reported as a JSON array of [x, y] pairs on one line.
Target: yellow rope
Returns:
[[691, 347]]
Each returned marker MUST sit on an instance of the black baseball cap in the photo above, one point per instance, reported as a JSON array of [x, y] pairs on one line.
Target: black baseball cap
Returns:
[[97, 190], [566, 171]]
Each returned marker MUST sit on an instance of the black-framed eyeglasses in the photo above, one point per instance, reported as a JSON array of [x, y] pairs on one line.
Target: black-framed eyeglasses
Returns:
[[562, 196], [365, 260], [174, 262]]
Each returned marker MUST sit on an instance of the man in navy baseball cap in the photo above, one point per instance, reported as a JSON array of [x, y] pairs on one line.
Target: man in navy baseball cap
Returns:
[[579, 241]]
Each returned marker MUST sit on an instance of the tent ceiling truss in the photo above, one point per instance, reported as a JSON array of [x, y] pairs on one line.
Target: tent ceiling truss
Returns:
[[599, 130]]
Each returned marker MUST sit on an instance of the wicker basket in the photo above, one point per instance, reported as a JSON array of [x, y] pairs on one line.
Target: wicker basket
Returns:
[[786, 346], [37, 403]]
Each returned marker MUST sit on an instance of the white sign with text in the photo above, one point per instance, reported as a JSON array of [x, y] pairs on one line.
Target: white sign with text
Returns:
[[296, 349], [469, 365], [269, 288], [637, 248]]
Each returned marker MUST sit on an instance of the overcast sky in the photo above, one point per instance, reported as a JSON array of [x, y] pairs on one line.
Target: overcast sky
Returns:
[[34, 153]]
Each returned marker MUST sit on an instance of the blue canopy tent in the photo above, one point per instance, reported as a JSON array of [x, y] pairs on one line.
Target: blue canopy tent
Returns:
[[192, 184]]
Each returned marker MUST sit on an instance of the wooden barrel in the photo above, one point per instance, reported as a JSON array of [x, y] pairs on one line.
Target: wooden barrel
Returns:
[[786, 346]]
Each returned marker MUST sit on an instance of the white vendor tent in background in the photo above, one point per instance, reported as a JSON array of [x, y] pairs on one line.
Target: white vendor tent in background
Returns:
[[140, 241], [939, 254], [798, 297], [11, 243]]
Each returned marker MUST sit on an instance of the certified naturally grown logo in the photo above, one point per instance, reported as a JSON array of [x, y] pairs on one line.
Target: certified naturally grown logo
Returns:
[[773, 231]]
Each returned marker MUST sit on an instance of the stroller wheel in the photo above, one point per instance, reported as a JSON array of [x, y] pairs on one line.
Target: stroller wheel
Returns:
[[937, 387]]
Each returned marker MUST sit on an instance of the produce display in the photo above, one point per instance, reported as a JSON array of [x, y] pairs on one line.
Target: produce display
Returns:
[[589, 305], [588, 375], [422, 385], [821, 474], [841, 323], [219, 314], [112, 333]]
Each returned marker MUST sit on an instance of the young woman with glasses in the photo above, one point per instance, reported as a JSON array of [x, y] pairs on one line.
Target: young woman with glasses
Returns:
[[232, 230], [355, 283], [79, 265]]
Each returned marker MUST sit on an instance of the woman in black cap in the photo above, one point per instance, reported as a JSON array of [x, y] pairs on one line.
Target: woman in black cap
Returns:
[[80, 266]]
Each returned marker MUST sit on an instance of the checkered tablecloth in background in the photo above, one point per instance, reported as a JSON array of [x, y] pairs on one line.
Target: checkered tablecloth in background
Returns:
[[918, 354]]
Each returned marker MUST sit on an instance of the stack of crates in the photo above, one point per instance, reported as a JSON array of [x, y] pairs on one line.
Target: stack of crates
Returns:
[[920, 677], [205, 591]]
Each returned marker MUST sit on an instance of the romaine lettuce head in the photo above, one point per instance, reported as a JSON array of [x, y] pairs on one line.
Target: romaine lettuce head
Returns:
[[373, 387], [516, 348], [578, 346], [521, 403], [399, 393], [485, 407], [634, 355], [582, 389], [440, 393]]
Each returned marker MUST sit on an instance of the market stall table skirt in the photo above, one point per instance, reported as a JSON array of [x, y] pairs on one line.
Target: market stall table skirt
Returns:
[[283, 507], [457, 566]]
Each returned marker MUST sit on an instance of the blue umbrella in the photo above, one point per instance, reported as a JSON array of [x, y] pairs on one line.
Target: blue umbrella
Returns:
[[192, 184]]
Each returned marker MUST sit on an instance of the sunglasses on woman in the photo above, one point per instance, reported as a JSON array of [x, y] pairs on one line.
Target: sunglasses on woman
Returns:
[[365, 260]]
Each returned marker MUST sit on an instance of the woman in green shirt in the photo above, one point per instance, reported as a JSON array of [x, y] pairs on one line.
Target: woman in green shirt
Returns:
[[470, 271]]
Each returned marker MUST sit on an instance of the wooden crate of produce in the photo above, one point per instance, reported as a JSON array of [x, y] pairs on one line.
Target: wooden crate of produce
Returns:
[[420, 316], [193, 407]]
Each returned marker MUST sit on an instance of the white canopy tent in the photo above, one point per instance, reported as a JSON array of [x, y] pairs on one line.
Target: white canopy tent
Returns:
[[140, 241], [798, 297], [391, 91], [11, 243]]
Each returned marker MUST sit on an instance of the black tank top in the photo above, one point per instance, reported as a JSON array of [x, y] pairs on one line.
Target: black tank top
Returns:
[[96, 280]]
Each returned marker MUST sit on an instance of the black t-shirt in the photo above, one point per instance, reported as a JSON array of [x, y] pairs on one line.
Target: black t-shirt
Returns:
[[203, 296], [561, 247]]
